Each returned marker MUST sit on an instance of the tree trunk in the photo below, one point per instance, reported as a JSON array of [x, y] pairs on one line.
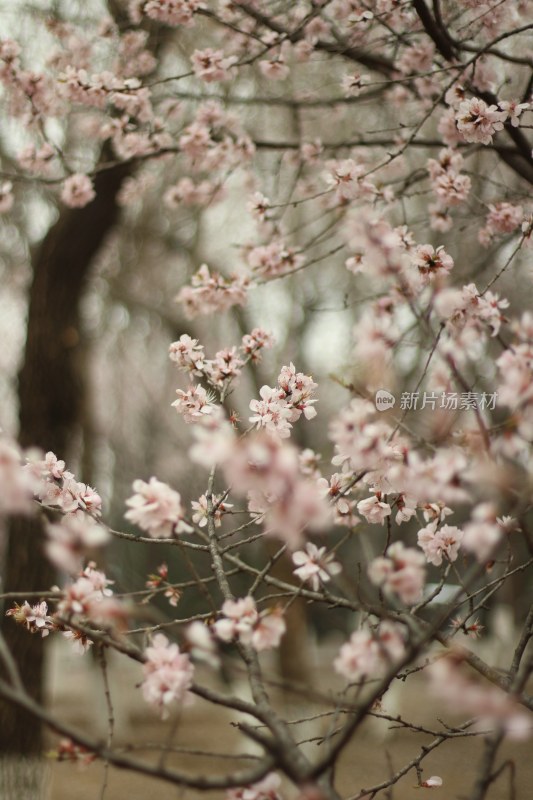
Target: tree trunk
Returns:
[[50, 397]]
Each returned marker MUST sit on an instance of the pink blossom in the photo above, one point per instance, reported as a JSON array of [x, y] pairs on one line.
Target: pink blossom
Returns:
[[370, 652], [314, 566], [192, 403], [274, 259], [297, 509], [215, 440], [201, 643], [353, 83], [70, 539], [188, 354], [189, 193], [168, 675], [254, 342], [210, 65], [201, 513], [482, 534], [77, 191], [360, 440], [275, 68], [242, 621], [452, 189], [80, 642], [438, 543], [156, 509], [268, 630], [477, 121], [502, 218], [346, 178], [173, 12], [195, 140], [258, 205], [34, 618], [239, 620], [90, 598], [225, 366], [210, 292], [280, 407], [400, 571], [431, 262], [513, 110], [374, 509], [270, 413]]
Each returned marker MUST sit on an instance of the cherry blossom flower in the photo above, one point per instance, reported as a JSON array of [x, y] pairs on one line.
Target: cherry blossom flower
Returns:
[[242, 621], [374, 509], [240, 617], [157, 509], [201, 514], [188, 354], [268, 630], [201, 644], [254, 342], [215, 440], [370, 652], [280, 407], [431, 262], [400, 571], [168, 675], [173, 12], [438, 543], [360, 440], [210, 65], [346, 178], [258, 205], [406, 508], [274, 260], [513, 110], [69, 540], [353, 83], [478, 122], [81, 643], [275, 68], [211, 292], [271, 413], [35, 618], [192, 403], [77, 191], [225, 366], [502, 218], [482, 534], [90, 598], [314, 566]]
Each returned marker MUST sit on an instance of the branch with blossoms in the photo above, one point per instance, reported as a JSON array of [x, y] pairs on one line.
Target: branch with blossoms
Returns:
[[288, 497]]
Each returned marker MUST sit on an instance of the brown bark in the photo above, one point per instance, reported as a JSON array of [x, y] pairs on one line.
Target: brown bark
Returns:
[[50, 397]]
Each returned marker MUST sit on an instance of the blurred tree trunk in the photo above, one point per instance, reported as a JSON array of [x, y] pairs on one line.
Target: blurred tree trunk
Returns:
[[51, 401]]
